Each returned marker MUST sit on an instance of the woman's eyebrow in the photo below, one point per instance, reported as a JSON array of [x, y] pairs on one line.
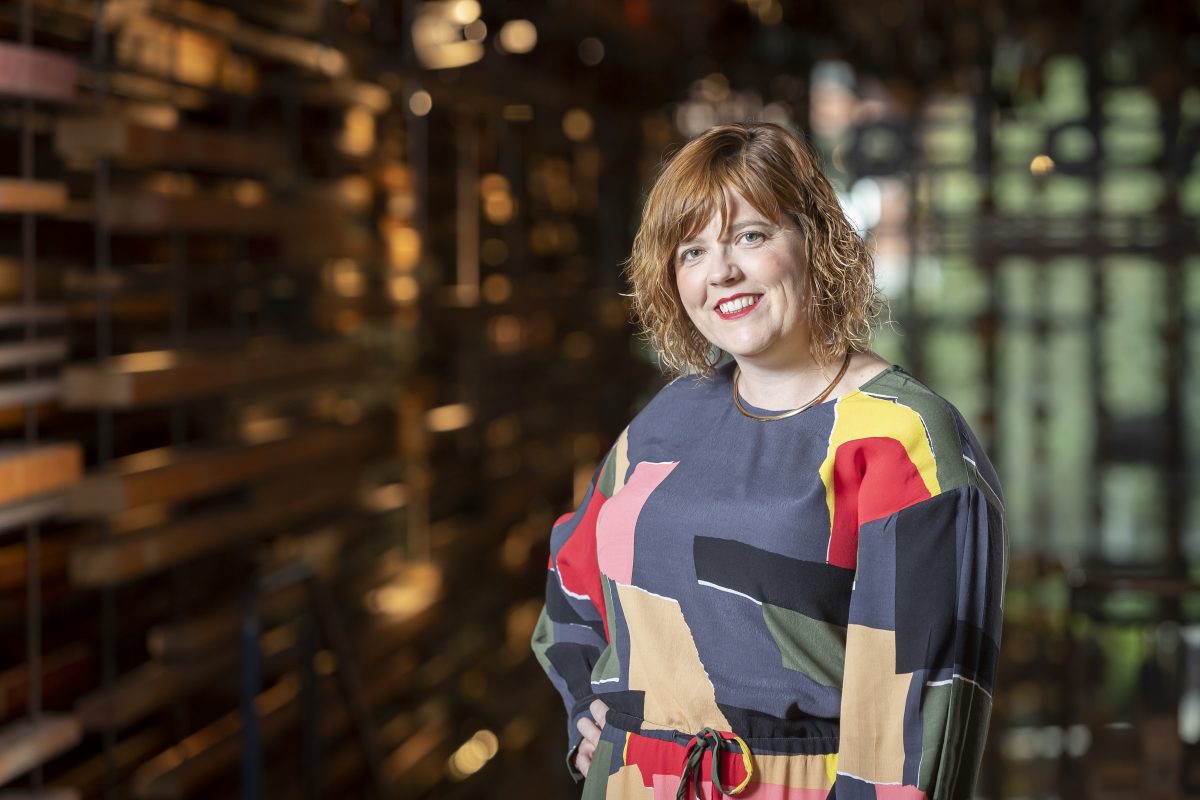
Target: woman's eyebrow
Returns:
[[748, 223]]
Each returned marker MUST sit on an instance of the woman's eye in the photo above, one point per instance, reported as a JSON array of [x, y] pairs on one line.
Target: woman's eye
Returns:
[[689, 255], [752, 237]]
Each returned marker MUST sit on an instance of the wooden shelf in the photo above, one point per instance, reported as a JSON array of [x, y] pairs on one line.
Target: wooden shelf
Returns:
[[141, 379], [117, 559], [29, 471], [28, 743], [140, 146], [132, 211], [35, 352], [31, 197], [29, 392], [168, 476], [29, 72]]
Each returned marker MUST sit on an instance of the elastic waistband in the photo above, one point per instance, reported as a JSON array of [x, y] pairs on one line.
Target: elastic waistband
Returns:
[[810, 736]]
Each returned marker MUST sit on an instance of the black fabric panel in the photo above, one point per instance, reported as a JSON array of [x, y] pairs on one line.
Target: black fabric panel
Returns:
[[975, 654], [571, 662], [820, 591], [797, 733], [557, 605], [926, 583], [626, 701]]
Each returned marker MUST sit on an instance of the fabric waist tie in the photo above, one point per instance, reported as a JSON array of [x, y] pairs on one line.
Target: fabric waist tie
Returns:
[[709, 739]]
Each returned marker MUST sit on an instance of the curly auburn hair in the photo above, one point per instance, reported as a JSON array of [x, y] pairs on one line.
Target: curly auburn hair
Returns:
[[781, 178]]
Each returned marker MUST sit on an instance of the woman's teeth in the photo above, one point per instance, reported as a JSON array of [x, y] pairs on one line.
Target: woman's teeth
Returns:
[[737, 305]]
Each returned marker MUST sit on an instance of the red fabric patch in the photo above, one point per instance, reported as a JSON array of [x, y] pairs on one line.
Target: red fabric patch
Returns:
[[658, 757], [860, 494], [577, 568]]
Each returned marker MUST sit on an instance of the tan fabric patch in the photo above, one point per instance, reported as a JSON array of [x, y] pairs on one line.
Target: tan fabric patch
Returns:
[[873, 698], [665, 664]]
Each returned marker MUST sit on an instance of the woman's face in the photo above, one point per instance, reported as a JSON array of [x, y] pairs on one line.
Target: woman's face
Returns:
[[744, 287]]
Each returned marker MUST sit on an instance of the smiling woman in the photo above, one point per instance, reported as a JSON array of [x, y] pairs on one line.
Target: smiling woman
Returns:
[[795, 603]]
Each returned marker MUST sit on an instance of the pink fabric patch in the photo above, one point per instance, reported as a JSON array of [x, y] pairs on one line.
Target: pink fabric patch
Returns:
[[894, 792], [618, 518]]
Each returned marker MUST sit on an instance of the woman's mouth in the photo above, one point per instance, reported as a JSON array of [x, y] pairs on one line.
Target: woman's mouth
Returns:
[[738, 306]]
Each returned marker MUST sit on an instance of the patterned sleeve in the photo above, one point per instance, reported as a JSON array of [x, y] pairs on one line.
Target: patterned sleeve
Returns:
[[925, 618], [572, 629]]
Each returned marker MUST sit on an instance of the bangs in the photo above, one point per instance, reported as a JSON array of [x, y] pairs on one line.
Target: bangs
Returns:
[[698, 192]]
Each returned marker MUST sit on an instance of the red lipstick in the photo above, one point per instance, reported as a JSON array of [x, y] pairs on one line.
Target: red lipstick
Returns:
[[741, 312]]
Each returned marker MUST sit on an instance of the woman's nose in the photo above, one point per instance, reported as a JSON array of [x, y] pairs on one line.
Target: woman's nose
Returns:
[[724, 270]]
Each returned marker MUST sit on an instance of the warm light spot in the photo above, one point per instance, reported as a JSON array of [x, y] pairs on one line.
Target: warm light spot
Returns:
[[577, 125], [346, 277], [403, 288], [449, 418], [507, 333], [518, 36], [387, 497], [420, 103], [358, 131], [518, 112], [1041, 165], [471, 756], [475, 31], [404, 247], [249, 193], [497, 289], [464, 12], [577, 345], [149, 361], [591, 51]]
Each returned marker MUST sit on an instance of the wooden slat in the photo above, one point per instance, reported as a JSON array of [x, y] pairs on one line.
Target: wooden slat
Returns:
[[213, 749], [118, 559], [131, 211], [29, 471], [13, 315], [33, 197], [35, 73], [162, 376], [153, 686], [137, 145], [188, 640], [39, 351], [27, 392], [168, 476], [64, 672], [89, 777], [56, 793], [26, 744], [14, 566], [20, 514]]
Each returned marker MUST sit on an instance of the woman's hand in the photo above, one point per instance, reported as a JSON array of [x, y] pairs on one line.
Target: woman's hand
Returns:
[[591, 735]]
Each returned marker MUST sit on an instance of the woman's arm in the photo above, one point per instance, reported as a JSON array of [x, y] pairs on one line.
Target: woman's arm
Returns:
[[572, 629], [922, 647]]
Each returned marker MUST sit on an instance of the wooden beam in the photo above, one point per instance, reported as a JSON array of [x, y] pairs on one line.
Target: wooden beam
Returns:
[[135, 145], [29, 471], [20, 514], [139, 379], [168, 475], [64, 672], [28, 743], [29, 392], [14, 315], [56, 793], [30, 72], [31, 197], [114, 560], [133, 211], [153, 686], [38, 351]]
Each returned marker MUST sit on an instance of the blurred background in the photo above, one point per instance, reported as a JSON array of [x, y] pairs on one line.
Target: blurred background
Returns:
[[311, 324]]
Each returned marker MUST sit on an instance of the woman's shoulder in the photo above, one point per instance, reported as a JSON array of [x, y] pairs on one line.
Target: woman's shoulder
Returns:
[[930, 428]]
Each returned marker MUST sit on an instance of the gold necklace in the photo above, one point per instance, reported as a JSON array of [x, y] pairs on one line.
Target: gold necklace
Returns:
[[737, 401]]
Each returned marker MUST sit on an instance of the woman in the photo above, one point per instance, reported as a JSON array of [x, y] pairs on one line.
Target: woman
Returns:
[[785, 579]]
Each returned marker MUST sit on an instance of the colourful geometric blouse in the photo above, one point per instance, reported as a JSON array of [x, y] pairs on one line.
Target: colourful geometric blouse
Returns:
[[811, 606]]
